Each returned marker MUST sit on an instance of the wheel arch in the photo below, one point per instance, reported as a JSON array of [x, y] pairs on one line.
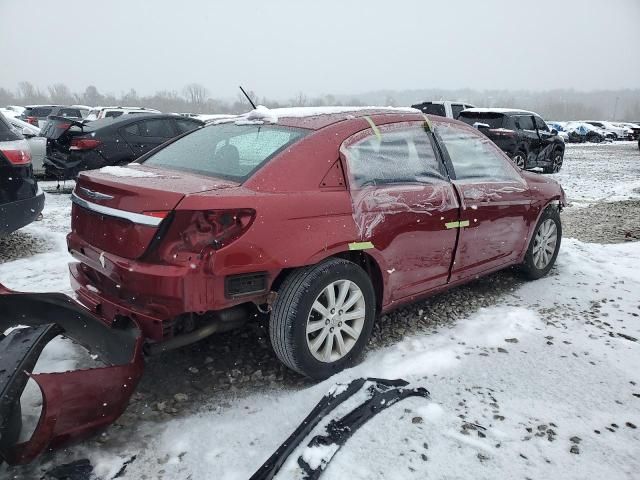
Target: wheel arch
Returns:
[[361, 258]]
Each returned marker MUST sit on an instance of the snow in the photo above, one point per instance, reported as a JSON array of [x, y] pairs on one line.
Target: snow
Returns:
[[497, 110], [263, 114], [127, 172], [548, 352]]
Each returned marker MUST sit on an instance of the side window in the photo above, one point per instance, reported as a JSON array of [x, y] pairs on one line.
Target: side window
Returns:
[[156, 128], [132, 130], [525, 122], [456, 108], [541, 125], [399, 156], [185, 125], [112, 114], [474, 157]]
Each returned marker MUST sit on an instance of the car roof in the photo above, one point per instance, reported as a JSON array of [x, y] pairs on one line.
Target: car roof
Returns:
[[125, 119], [505, 111], [315, 118]]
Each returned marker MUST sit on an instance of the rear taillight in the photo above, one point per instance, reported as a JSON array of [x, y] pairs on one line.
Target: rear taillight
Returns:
[[194, 235], [84, 143], [17, 152], [32, 120], [502, 132]]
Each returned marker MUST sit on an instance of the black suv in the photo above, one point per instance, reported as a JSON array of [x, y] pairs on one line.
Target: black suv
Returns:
[[21, 201], [522, 135], [73, 146]]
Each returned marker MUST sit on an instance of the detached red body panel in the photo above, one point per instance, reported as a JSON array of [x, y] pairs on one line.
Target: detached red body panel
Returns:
[[75, 404]]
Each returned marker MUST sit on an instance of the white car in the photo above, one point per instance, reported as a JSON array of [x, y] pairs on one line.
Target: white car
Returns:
[[619, 133], [442, 108], [37, 144], [112, 112]]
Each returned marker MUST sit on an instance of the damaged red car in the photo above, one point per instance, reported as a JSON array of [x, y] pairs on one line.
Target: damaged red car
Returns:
[[319, 219]]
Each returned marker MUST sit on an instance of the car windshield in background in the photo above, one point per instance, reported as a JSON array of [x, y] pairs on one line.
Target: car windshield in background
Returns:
[[433, 109], [494, 120], [227, 151]]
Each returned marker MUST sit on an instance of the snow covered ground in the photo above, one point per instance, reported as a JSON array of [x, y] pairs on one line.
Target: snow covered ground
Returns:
[[543, 383]]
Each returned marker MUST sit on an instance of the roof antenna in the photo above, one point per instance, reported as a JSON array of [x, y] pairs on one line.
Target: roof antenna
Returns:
[[248, 97]]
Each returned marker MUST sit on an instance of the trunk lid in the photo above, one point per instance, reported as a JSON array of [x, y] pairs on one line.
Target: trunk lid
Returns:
[[135, 200]]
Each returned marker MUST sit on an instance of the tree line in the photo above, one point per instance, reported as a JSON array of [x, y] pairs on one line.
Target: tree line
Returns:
[[562, 104]]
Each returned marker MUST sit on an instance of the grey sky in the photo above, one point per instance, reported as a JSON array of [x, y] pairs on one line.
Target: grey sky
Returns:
[[280, 47]]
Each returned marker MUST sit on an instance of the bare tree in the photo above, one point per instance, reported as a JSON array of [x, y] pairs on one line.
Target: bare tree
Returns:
[[196, 95], [60, 93]]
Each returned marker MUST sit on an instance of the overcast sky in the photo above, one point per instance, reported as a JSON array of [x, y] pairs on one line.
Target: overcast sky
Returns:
[[280, 47]]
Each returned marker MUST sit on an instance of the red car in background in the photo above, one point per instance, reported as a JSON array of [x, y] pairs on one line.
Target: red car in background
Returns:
[[322, 219]]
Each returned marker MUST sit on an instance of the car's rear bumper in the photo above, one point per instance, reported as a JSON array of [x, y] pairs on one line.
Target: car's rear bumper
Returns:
[[17, 214], [154, 295]]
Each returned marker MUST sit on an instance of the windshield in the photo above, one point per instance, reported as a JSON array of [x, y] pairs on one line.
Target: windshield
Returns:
[[494, 120], [227, 151]]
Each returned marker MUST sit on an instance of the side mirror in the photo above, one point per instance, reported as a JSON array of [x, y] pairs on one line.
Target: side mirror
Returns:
[[27, 132], [481, 126], [554, 131]]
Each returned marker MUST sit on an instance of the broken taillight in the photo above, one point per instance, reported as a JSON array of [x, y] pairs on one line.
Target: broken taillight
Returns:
[[84, 143], [17, 152], [192, 234]]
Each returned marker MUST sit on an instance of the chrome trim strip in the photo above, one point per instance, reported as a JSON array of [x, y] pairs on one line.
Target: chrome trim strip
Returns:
[[113, 212], [96, 195]]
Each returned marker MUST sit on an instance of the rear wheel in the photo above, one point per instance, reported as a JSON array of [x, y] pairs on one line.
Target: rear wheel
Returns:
[[322, 318], [519, 158], [556, 162], [544, 246]]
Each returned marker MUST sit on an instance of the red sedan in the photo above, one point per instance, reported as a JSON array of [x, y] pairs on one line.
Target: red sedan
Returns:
[[321, 219]]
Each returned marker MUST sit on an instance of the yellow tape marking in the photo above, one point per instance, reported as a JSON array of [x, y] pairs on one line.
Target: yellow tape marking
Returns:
[[360, 245], [427, 123], [374, 127], [461, 224]]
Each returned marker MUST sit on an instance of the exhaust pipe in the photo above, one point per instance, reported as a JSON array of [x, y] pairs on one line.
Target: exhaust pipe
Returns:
[[223, 321]]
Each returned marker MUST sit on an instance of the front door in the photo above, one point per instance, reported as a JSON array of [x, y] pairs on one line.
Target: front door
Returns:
[[402, 200], [494, 200]]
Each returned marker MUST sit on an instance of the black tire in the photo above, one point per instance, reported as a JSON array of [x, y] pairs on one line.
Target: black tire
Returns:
[[13, 428], [557, 157], [529, 268], [291, 309], [519, 158]]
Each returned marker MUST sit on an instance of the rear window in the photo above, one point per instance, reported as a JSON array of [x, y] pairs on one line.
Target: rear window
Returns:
[[432, 108], [6, 132], [494, 120], [227, 151], [39, 112], [113, 114]]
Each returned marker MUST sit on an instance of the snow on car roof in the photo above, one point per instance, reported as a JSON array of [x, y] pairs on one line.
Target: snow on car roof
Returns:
[[498, 110], [323, 115]]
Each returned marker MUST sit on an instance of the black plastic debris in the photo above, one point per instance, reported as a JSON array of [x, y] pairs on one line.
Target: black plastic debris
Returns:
[[381, 395]]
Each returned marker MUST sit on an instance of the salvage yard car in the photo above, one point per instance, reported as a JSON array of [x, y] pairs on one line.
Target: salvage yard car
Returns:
[[74, 146], [523, 136], [21, 200], [323, 220]]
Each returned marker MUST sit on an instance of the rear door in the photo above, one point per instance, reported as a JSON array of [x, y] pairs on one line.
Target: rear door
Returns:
[[402, 200], [547, 140], [527, 129], [145, 135], [494, 198]]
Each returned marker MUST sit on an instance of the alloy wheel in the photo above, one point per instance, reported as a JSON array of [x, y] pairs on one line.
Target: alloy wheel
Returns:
[[335, 321], [544, 244], [557, 162]]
